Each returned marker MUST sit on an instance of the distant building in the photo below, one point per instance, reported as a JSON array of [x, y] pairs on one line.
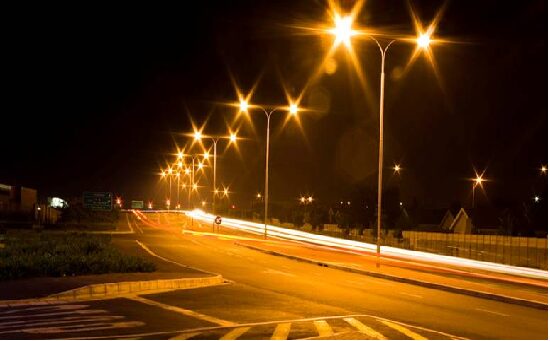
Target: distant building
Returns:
[[476, 221], [17, 201]]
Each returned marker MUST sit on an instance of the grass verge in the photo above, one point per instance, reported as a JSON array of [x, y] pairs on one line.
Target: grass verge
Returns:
[[52, 254]]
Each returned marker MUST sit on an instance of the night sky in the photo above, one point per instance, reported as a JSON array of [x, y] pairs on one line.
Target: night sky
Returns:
[[95, 98]]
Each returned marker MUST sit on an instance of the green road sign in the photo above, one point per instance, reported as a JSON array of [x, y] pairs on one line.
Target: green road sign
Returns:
[[136, 204], [98, 201]]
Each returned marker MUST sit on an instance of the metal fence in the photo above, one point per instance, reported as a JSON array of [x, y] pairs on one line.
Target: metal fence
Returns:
[[516, 251]]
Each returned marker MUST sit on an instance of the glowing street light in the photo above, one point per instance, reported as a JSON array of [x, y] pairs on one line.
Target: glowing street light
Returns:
[[310, 199], [292, 110], [197, 135], [206, 155], [303, 200], [233, 138], [477, 181], [423, 41], [543, 170], [259, 195], [243, 105], [396, 168], [536, 198], [343, 32]]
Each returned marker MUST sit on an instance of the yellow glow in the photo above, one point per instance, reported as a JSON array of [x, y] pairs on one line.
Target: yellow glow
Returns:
[[243, 105], [200, 165], [203, 203], [310, 199], [195, 186], [423, 41], [543, 169], [180, 164], [342, 30], [187, 171], [180, 155], [163, 174], [150, 205], [479, 180], [206, 155], [197, 135], [303, 199], [170, 170], [293, 109], [226, 192], [216, 191], [258, 195], [167, 202], [233, 137], [537, 199]]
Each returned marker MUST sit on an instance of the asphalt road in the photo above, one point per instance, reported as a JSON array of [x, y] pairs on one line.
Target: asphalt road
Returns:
[[271, 297]]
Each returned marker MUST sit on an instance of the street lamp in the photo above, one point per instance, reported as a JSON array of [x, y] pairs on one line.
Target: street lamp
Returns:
[[292, 109], [397, 168], [232, 139], [543, 170], [477, 181], [343, 32]]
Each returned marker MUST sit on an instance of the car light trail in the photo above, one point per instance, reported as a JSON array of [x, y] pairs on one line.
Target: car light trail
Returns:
[[290, 234]]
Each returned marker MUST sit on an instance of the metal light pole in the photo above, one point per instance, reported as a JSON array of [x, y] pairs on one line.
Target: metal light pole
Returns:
[[381, 147], [293, 110]]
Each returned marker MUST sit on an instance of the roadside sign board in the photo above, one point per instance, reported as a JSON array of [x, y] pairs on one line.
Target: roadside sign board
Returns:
[[98, 201], [218, 220], [137, 204]]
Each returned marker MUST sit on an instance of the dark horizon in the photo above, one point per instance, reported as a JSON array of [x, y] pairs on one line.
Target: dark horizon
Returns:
[[97, 99]]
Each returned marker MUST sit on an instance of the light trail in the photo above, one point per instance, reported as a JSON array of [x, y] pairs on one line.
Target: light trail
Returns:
[[289, 234]]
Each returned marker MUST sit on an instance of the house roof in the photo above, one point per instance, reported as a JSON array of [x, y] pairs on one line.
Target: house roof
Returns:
[[482, 218]]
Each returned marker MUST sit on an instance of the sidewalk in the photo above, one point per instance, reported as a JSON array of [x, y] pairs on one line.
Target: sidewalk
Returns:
[[476, 284], [34, 288]]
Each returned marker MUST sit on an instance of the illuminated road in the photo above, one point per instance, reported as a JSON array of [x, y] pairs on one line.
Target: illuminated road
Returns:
[[268, 297], [268, 288]]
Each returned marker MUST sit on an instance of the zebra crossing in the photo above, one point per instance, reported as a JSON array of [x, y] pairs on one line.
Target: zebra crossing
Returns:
[[84, 321], [352, 327], [60, 319]]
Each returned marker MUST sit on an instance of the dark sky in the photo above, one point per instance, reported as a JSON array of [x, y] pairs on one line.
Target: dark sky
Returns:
[[95, 97]]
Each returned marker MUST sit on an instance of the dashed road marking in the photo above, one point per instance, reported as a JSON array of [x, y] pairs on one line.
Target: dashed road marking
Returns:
[[492, 312], [323, 328], [371, 333], [281, 331], [184, 336], [409, 294], [182, 311], [403, 330], [235, 333]]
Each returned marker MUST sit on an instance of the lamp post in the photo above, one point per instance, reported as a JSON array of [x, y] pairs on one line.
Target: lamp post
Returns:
[[232, 139], [478, 181], [343, 32], [292, 110]]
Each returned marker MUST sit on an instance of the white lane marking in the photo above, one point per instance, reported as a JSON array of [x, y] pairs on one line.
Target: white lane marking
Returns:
[[82, 312], [277, 272], [371, 333], [492, 312], [46, 307], [409, 294], [323, 328], [235, 333], [83, 328], [129, 225], [403, 330], [182, 336], [182, 311], [18, 324], [281, 331]]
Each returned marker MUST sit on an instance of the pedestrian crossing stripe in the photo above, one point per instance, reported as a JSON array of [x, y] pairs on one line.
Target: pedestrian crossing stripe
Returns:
[[371, 333]]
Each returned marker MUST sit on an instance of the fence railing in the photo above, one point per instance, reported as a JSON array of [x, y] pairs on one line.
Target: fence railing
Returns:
[[517, 251]]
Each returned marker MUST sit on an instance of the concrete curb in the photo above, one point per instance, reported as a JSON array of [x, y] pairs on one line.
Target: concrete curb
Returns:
[[98, 291], [475, 293]]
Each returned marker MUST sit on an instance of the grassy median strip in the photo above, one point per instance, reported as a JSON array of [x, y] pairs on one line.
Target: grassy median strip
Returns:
[[54, 254]]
